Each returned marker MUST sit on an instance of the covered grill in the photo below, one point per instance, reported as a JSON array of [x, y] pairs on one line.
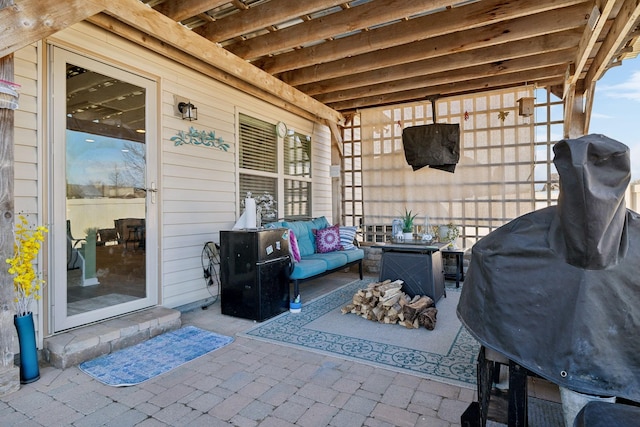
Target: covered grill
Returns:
[[558, 290]]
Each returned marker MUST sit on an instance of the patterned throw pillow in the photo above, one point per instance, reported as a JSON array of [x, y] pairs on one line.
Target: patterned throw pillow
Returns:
[[293, 246], [327, 239], [347, 235]]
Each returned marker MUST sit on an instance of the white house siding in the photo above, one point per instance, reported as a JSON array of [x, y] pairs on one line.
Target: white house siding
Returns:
[[26, 134], [321, 169], [27, 151], [197, 185]]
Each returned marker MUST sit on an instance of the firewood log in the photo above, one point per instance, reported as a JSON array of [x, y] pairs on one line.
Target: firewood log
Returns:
[[358, 297], [393, 300], [392, 311], [392, 287], [404, 300], [411, 310], [348, 308], [378, 313], [415, 299], [374, 285], [409, 325], [427, 318]]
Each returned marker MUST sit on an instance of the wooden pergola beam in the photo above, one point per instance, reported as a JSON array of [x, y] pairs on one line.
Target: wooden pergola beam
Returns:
[[452, 76], [544, 34], [179, 10], [436, 63], [543, 77], [145, 19], [590, 36], [625, 21], [260, 17], [355, 18], [588, 107], [474, 15], [142, 38], [29, 21], [336, 138]]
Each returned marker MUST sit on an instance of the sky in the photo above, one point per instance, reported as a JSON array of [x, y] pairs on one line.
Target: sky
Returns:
[[616, 106], [92, 159]]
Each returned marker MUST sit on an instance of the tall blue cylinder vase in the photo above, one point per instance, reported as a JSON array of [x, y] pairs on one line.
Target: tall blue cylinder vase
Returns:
[[29, 369]]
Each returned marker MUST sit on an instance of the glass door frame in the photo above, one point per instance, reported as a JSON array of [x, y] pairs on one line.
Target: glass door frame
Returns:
[[59, 318]]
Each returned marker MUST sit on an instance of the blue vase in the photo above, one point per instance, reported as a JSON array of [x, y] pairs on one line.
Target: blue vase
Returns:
[[29, 369]]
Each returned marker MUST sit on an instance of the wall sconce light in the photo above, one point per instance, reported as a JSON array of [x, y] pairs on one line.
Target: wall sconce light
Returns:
[[188, 111]]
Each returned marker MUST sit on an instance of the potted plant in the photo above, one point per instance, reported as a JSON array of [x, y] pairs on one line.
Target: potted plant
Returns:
[[27, 285], [407, 224]]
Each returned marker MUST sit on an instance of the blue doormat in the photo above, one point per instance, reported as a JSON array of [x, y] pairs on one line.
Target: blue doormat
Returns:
[[155, 356]]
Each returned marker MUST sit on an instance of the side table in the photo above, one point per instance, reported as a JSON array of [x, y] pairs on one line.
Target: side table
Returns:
[[459, 274]]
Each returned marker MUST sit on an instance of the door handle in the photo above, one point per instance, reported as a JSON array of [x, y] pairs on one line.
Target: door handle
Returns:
[[153, 190]]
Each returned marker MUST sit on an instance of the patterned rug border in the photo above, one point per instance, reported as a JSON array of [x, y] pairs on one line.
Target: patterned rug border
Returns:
[[457, 367]]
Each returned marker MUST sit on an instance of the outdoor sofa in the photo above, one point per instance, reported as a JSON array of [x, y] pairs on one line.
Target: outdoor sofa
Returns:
[[319, 248]]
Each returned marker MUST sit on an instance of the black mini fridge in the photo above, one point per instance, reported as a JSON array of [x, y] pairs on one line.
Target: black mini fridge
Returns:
[[254, 273]]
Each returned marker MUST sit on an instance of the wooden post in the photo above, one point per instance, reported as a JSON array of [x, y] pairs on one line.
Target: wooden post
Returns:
[[9, 374], [6, 188]]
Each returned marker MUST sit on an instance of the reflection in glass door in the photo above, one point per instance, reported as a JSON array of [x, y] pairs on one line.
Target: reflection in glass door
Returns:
[[104, 202]]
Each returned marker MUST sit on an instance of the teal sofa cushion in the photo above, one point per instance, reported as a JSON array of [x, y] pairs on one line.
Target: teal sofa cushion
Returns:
[[320, 223], [306, 240], [308, 268], [332, 259], [353, 254]]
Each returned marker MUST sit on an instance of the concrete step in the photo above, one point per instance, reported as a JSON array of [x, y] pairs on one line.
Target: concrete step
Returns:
[[75, 346]]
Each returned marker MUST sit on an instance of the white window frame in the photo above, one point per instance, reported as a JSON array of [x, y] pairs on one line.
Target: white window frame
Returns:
[[285, 210]]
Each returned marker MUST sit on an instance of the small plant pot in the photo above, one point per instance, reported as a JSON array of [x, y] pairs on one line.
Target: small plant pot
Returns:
[[295, 307]]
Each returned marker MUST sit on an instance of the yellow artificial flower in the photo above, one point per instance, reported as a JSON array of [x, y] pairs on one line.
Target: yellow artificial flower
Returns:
[[26, 282]]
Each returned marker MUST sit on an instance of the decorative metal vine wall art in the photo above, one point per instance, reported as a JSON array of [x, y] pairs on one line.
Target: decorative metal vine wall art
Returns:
[[196, 137]]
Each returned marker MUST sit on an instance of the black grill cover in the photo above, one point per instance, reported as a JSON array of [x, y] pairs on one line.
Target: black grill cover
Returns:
[[603, 414], [558, 290], [436, 145]]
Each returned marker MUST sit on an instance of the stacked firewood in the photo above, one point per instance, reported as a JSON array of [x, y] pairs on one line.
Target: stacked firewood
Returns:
[[386, 303]]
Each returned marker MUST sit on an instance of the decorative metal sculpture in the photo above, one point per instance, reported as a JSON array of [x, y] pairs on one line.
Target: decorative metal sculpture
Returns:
[[196, 137]]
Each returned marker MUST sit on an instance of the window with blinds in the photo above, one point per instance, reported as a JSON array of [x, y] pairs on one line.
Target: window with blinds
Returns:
[[297, 168], [261, 175], [297, 199], [297, 155], [258, 145]]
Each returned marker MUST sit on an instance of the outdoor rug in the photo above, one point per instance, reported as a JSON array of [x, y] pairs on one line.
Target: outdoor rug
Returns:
[[446, 354], [155, 356]]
